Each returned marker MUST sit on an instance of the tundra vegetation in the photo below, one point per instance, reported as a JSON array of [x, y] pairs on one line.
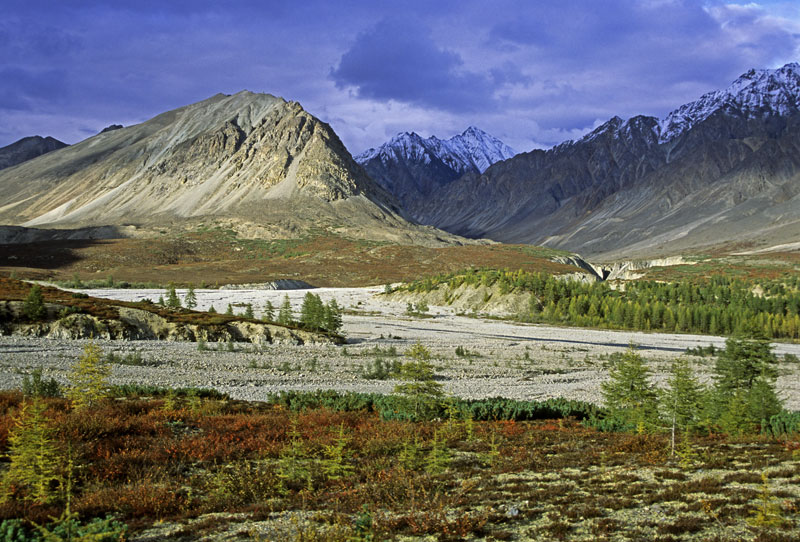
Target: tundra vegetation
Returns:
[[415, 463]]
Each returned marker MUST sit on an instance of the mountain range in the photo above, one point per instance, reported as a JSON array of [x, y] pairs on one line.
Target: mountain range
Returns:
[[722, 169]]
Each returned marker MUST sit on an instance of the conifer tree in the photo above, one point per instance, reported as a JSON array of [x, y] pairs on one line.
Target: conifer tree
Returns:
[[89, 378], [269, 312], [744, 388], [32, 454], [332, 317], [682, 399], [312, 312], [285, 316], [421, 391], [628, 394], [190, 299], [33, 306], [248, 311], [173, 301]]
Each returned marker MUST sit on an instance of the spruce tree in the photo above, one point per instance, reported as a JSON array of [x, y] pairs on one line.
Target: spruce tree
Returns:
[[285, 316], [190, 299], [269, 312], [628, 394], [248, 311], [33, 306]]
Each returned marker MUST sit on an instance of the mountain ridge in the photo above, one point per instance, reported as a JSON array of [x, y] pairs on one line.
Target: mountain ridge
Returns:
[[727, 170]]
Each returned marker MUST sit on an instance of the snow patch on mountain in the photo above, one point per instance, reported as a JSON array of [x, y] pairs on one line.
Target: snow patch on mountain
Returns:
[[471, 150], [757, 93]]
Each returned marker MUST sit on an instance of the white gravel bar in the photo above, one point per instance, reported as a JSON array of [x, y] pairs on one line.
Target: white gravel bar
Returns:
[[521, 361]]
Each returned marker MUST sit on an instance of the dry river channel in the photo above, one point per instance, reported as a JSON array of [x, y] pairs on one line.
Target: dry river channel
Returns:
[[498, 357]]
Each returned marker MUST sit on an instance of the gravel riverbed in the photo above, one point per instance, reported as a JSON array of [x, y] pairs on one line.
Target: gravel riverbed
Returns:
[[509, 359]]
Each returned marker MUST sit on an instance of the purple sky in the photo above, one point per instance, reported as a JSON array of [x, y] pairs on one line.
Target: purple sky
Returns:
[[531, 73]]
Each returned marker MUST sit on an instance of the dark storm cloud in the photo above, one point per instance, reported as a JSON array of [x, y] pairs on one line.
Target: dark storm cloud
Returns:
[[399, 60], [644, 50], [534, 72]]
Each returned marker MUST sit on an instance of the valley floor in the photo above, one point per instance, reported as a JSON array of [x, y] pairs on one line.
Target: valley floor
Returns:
[[498, 358]]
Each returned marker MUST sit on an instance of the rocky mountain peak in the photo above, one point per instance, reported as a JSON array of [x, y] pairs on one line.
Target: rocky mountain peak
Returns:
[[411, 167], [221, 156], [755, 94], [26, 149], [472, 150]]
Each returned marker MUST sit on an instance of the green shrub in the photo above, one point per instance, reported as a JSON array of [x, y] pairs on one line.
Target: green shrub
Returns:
[[33, 306], [381, 370], [390, 407], [35, 386]]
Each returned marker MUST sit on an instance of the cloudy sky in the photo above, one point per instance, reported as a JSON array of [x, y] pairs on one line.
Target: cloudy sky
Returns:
[[533, 73]]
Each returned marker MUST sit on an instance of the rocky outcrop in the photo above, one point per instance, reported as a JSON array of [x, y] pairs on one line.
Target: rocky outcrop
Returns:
[[138, 324], [479, 299], [624, 270]]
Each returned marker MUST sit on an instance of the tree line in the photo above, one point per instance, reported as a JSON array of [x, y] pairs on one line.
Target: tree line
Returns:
[[741, 398], [717, 305]]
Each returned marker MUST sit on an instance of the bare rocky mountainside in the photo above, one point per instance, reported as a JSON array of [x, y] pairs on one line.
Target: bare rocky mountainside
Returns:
[[412, 167], [26, 149], [723, 169], [262, 164]]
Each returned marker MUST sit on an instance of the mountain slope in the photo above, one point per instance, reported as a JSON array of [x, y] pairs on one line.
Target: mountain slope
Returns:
[[724, 168], [26, 149], [412, 167], [250, 158]]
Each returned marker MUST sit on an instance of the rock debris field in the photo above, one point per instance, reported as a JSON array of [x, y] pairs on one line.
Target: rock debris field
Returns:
[[498, 358]]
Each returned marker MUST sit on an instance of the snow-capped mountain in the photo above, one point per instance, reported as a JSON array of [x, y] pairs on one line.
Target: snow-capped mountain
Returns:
[[756, 94], [412, 167], [472, 150], [722, 169]]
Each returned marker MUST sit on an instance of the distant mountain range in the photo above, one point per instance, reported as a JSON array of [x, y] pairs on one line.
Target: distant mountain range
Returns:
[[412, 167], [26, 149], [254, 161], [722, 169]]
